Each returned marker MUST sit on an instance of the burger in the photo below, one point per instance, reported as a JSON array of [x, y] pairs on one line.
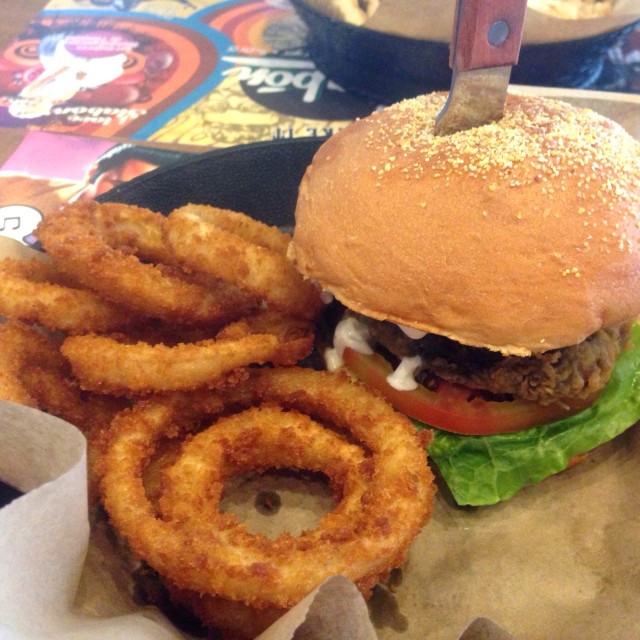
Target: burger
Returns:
[[486, 282]]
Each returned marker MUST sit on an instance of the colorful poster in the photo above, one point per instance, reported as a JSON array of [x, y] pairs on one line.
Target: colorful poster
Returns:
[[271, 88], [31, 183], [104, 74], [177, 71]]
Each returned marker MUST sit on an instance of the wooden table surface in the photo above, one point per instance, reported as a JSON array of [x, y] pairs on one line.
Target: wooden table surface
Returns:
[[15, 15]]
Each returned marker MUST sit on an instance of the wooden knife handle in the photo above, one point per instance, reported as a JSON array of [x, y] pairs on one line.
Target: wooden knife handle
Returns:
[[477, 23]]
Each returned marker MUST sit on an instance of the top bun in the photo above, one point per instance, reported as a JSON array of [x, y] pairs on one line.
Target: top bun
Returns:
[[520, 236]]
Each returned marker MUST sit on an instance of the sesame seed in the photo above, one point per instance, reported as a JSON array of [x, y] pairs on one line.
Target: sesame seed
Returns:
[[536, 141], [540, 147]]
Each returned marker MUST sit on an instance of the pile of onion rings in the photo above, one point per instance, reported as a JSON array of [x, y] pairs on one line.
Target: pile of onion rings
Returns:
[[137, 322], [174, 344], [118, 251]]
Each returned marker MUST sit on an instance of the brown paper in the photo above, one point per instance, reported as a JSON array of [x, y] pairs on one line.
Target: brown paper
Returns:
[[623, 108], [433, 20]]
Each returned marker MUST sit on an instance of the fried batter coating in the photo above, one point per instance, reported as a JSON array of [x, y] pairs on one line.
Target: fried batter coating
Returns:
[[105, 248], [363, 539], [36, 291], [242, 252]]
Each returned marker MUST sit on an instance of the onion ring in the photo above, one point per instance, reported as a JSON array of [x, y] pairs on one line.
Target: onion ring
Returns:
[[55, 392], [34, 373], [21, 344], [203, 239], [105, 365], [233, 445], [195, 482], [225, 560], [102, 245], [35, 291], [296, 336], [227, 615], [59, 395], [244, 226]]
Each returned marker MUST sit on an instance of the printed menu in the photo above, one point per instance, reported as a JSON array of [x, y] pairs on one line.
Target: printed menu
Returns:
[[197, 72]]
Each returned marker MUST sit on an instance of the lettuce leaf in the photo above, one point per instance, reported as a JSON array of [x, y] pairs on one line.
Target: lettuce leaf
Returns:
[[483, 470]]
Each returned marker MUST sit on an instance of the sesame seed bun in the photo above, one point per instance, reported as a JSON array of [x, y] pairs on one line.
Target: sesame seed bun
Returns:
[[520, 236]]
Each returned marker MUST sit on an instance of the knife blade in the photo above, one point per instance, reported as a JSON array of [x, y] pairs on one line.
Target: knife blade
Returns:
[[485, 45]]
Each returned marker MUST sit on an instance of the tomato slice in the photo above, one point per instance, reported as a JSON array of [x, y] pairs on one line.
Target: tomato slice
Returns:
[[454, 407]]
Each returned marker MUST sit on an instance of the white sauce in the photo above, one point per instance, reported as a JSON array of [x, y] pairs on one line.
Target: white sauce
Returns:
[[332, 361], [410, 332], [403, 378], [354, 334], [349, 333]]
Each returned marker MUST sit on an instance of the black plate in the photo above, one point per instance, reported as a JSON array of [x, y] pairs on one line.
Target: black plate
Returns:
[[260, 179], [387, 68]]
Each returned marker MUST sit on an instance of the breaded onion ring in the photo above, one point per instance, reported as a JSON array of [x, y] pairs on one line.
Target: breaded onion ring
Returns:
[[363, 541], [20, 345], [55, 392], [235, 619], [34, 373], [243, 226], [238, 249], [103, 364], [296, 336], [103, 245], [35, 291], [240, 444], [59, 395]]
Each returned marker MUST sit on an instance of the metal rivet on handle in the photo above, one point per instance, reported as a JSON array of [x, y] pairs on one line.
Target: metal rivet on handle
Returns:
[[498, 33]]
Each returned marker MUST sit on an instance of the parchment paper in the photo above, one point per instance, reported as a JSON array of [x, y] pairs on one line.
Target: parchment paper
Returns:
[[559, 560], [433, 20]]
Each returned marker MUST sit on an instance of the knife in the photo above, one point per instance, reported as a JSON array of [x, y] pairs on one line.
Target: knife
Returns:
[[486, 43]]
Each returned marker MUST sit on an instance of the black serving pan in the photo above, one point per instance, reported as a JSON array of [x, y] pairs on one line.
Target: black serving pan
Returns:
[[387, 68], [260, 179], [7, 494]]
